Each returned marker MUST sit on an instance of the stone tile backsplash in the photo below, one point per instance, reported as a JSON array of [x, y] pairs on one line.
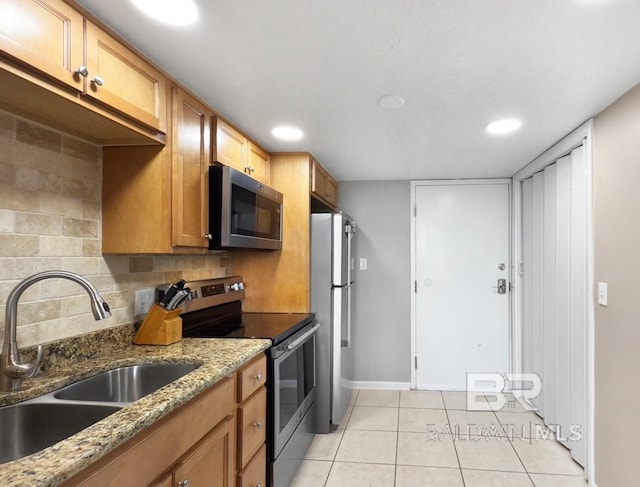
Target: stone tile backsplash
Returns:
[[50, 218]]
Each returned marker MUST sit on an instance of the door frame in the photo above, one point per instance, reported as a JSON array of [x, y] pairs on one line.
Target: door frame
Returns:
[[581, 136], [413, 284]]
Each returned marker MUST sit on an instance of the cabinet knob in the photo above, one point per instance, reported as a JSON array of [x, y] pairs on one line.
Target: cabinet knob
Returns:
[[98, 81], [258, 425], [258, 377], [208, 236], [258, 485], [184, 483], [249, 169], [82, 71]]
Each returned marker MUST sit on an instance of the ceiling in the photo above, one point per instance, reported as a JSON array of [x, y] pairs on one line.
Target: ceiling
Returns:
[[459, 64]]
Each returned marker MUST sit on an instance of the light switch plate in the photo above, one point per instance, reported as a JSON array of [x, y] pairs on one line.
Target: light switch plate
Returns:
[[602, 294]]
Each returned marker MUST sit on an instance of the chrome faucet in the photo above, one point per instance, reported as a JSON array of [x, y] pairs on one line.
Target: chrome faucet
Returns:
[[11, 370]]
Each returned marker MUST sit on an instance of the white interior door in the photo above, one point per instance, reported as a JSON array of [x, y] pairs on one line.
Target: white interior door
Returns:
[[461, 251]]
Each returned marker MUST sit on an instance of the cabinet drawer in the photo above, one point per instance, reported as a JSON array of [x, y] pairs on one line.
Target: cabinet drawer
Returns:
[[251, 427], [255, 474], [251, 378]]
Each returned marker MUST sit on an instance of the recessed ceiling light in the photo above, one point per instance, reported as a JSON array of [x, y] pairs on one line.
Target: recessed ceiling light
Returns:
[[286, 132], [391, 102], [504, 126], [174, 12]]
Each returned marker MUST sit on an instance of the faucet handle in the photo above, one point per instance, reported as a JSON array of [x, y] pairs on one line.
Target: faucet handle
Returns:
[[24, 371]]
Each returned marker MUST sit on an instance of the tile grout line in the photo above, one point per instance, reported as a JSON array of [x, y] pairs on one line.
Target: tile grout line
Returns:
[[446, 411], [395, 466]]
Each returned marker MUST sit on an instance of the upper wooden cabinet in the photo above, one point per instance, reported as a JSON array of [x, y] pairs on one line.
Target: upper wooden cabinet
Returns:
[[161, 192], [48, 35], [191, 123], [123, 80], [322, 185], [235, 150], [259, 163], [66, 62]]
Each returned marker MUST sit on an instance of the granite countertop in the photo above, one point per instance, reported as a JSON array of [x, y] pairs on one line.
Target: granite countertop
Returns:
[[217, 357]]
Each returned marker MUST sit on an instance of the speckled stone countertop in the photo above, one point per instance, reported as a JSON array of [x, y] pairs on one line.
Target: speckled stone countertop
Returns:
[[76, 360]]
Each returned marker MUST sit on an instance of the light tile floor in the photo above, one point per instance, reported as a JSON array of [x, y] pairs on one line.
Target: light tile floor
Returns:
[[416, 438]]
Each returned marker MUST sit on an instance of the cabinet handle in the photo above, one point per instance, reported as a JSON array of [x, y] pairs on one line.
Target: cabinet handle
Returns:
[[98, 81], [258, 425], [249, 170], [258, 377], [82, 71], [184, 483]]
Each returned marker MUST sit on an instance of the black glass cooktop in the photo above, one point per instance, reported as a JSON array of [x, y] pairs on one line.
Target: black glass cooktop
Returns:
[[229, 321]]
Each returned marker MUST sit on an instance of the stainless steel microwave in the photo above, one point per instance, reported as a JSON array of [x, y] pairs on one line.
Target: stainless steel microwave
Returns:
[[243, 212]]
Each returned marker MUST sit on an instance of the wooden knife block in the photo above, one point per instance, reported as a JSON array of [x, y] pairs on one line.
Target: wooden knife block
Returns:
[[160, 327]]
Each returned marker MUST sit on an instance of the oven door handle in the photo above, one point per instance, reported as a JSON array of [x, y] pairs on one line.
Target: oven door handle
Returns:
[[303, 338]]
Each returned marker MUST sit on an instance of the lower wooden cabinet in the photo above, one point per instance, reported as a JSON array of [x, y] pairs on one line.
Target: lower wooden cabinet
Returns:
[[252, 424], [211, 462], [216, 439], [255, 473]]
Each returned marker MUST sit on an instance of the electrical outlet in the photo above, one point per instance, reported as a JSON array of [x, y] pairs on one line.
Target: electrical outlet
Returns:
[[363, 264], [144, 300]]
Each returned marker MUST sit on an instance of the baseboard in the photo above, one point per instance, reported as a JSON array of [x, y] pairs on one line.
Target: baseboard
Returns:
[[394, 386]]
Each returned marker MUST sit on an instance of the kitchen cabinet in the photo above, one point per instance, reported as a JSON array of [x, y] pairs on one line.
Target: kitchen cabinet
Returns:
[[59, 68], [235, 150], [203, 442], [181, 445], [47, 35], [255, 473], [252, 420], [191, 125], [259, 164], [209, 464], [123, 80], [289, 270], [161, 192], [323, 186]]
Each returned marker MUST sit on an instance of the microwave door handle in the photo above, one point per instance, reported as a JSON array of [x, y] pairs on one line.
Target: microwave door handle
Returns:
[[303, 338]]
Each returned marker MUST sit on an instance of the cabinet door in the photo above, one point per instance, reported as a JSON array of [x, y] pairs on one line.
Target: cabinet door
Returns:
[[211, 463], [191, 155], [45, 34], [323, 186], [259, 164], [123, 80], [166, 482], [331, 191], [231, 146]]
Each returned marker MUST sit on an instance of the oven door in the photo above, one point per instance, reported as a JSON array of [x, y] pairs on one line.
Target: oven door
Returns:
[[294, 383]]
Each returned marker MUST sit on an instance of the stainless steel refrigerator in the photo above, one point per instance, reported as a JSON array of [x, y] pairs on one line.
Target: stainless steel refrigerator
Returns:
[[332, 283]]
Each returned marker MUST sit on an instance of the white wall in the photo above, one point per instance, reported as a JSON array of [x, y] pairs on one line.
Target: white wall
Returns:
[[382, 328]]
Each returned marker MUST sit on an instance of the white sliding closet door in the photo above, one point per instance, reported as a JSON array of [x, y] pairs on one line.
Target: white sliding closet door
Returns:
[[555, 295], [562, 397], [579, 303], [527, 276], [549, 298]]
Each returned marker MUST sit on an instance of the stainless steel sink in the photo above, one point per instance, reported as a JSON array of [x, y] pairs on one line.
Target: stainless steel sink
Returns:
[[126, 384], [30, 427]]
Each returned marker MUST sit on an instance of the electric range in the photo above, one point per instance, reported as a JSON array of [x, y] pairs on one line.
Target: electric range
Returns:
[[214, 310]]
